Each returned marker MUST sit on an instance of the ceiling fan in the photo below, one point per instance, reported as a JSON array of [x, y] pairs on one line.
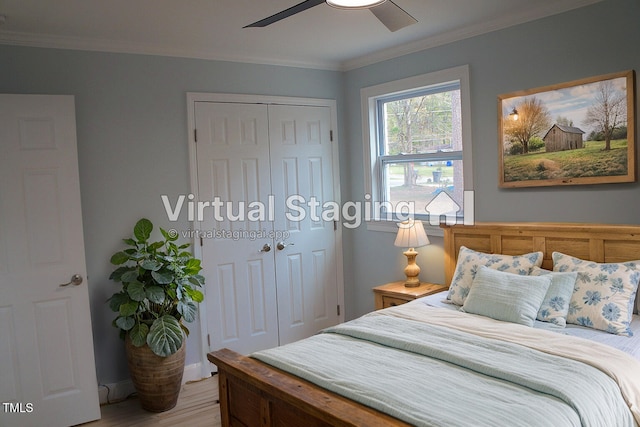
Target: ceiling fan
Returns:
[[389, 13]]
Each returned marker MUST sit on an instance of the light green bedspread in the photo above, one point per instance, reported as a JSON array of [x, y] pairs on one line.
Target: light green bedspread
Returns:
[[465, 380]]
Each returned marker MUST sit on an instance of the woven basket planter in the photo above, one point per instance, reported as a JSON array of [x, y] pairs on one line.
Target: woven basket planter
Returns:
[[157, 379]]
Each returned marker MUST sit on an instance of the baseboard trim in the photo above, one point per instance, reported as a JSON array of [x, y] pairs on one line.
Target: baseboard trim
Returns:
[[193, 372], [115, 392]]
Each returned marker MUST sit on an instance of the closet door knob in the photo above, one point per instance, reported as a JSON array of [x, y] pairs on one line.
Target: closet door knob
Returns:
[[266, 248], [76, 280], [282, 245]]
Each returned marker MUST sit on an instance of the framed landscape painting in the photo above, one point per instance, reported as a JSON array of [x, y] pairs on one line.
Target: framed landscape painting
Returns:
[[581, 132]]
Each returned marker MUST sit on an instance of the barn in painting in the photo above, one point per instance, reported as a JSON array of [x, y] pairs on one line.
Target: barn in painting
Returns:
[[560, 138]]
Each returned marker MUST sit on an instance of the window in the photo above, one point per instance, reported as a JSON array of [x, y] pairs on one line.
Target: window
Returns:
[[417, 141]]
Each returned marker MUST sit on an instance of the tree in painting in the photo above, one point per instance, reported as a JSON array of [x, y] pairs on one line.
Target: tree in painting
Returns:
[[533, 119], [608, 112]]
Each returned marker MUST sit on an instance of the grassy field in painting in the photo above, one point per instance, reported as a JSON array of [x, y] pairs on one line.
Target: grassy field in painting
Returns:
[[590, 161]]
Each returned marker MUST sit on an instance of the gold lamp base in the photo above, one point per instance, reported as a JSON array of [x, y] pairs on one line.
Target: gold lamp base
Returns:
[[412, 270]]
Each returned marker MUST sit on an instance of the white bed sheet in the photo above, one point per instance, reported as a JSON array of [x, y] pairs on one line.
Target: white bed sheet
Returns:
[[630, 345]]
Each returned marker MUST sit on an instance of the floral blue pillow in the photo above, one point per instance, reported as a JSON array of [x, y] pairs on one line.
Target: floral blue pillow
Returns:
[[604, 293], [555, 306], [469, 261]]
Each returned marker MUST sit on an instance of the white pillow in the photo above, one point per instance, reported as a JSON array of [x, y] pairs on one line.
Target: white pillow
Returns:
[[469, 261], [604, 293], [506, 296]]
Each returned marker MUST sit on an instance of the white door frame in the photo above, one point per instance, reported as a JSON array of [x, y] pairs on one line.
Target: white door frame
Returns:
[[192, 98]]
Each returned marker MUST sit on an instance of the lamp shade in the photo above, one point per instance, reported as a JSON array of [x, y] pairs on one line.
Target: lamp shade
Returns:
[[354, 4], [411, 234]]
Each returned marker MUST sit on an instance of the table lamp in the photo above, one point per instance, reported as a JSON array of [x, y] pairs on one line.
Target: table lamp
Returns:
[[411, 235]]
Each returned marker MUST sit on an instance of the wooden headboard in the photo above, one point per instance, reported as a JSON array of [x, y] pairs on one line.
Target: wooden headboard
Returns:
[[595, 242]]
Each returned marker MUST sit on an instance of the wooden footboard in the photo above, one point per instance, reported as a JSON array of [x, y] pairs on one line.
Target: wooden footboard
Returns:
[[255, 394]]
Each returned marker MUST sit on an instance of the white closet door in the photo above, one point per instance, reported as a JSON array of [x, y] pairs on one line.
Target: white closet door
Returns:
[[47, 368], [233, 165], [302, 173], [259, 296]]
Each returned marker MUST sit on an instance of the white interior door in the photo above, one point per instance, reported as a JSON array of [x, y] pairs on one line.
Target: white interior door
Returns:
[[47, 369], [302, 182], [233, 165]]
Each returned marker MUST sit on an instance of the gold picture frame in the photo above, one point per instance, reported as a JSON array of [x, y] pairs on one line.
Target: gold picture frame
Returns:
[[576, 133]]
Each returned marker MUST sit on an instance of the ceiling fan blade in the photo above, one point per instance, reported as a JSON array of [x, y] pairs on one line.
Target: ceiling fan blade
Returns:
[[392, 16], [300, 7]]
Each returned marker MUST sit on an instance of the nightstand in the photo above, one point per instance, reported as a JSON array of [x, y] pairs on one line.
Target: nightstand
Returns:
[[397, 293]]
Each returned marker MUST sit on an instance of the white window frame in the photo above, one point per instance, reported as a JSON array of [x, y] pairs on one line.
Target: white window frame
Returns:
[[373, 176]]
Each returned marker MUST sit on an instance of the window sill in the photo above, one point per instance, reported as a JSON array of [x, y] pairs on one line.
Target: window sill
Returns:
[[391, 227]]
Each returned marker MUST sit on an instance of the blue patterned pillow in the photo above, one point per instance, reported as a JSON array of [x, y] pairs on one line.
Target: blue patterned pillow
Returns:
[[604, 294], [555, 306], [469, 261], [506, 296]]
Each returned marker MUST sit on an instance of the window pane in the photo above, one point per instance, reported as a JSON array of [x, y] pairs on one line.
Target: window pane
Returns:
[[425, 187], [422, 124]]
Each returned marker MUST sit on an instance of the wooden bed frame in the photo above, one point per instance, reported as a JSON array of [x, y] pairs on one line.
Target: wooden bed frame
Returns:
[[255, 394]]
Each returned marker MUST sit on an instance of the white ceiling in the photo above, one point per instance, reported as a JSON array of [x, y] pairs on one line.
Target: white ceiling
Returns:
[[321, 37]]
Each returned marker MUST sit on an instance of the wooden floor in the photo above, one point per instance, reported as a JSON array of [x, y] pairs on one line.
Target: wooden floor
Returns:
[[197, 406]]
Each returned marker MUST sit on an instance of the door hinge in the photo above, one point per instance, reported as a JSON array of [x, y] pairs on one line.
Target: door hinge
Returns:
[[195, 135], [338, 309], [201, 243], [331, 135], [209, 340], [335, 225]]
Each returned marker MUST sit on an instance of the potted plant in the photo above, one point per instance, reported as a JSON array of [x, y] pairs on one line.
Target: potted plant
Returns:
[[159, 293]]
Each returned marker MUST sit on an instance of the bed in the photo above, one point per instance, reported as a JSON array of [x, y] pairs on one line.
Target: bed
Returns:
[[422, 343]]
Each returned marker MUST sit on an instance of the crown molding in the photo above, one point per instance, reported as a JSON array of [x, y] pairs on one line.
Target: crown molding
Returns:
[[100, 45]]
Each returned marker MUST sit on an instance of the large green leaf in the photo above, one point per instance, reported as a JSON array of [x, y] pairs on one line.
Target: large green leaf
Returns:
[[197, 279], [188, 311], [129, 276], [119, 258], [142, 230], [117, 300], [155, 246], [151, 264], [195, 294], [128, 308], [163, 277], [125, 323], [138, 334], [155, 294], [118, 272], [193, 266], [165, 336], [130, 242], [136, 291]]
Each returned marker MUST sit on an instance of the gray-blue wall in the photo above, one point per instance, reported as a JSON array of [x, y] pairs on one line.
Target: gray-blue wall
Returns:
[[132, 137], [591, 41], [131, 114]]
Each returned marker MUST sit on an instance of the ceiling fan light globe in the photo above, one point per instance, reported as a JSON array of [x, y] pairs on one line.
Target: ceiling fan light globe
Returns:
[[354, 4]]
